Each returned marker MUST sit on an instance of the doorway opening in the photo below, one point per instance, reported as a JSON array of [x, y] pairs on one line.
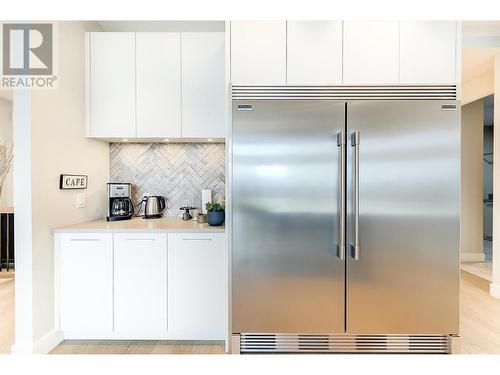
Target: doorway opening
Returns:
[[488, 130], [477, 187]]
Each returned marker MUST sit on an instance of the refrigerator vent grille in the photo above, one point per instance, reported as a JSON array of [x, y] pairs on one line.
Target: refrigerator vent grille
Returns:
[[435, 92], [316, 343]]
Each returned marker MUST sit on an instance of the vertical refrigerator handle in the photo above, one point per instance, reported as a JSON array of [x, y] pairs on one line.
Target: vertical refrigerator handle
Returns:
[[354, 246], [342, 151]]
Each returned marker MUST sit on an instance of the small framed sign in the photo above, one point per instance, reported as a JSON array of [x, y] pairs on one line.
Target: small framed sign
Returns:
[[72, 181]]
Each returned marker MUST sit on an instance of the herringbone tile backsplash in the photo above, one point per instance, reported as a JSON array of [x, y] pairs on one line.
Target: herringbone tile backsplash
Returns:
[[177, 171]]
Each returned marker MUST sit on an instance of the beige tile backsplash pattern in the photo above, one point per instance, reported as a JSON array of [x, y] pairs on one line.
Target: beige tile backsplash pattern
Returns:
[[177, 171]]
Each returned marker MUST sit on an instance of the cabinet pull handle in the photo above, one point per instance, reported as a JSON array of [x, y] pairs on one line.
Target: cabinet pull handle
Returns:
[[197, 239], [85, 239]]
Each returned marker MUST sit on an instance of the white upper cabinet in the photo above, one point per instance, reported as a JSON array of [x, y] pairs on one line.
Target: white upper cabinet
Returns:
[[428, 52], [314, 52], [258, 52], [158, 77], [371, 52], [203, 85], [112, 84], [156, 85]]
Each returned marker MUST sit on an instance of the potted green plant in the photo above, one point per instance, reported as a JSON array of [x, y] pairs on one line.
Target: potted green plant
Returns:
[[215, 213]]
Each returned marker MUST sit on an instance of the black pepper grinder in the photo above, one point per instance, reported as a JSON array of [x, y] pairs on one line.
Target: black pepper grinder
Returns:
[[187, 215]]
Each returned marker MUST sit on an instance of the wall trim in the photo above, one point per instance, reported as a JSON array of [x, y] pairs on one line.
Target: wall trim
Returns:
[[48, 342], [42, 346], [495, 290], [472, 257]]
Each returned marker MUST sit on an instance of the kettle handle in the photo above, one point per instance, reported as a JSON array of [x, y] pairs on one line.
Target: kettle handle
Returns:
[[162, 203]]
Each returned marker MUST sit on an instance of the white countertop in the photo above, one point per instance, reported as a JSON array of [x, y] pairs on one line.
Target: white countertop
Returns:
[[164, 224]]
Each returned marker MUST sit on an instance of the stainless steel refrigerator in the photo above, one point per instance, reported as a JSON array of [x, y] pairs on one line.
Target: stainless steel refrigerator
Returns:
[[345, 225]]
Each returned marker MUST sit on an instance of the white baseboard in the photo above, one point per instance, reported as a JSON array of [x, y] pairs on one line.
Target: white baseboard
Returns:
[[21, 348], [472, 257], [44, 345], [495, 290], [74, 335]]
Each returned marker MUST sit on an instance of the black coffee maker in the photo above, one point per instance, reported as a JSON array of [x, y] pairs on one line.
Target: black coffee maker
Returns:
[[120, 205]]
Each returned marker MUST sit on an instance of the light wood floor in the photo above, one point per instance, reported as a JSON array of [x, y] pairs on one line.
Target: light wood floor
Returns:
[[6, 275], [479, 317], [6, 314], [480, 328], [138, 347], [483, 270]]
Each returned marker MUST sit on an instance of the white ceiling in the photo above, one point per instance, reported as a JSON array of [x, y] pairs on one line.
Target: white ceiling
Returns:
[[480, 34], [480, 28], [161, 26]]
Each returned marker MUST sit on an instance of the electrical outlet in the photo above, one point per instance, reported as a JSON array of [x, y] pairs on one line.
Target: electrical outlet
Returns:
[[80, 200]]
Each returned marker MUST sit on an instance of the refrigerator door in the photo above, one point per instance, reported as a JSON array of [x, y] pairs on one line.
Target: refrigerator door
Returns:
[[287, 276], [406, 278]]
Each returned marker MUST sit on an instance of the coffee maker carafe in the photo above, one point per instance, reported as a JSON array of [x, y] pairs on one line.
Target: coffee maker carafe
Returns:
[[120, 205]]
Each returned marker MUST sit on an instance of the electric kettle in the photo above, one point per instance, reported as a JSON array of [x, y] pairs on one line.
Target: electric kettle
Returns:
[[155, 204]]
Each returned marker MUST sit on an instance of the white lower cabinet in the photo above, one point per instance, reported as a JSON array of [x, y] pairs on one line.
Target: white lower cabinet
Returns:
[[197, 286], [85, 275], [140, 283], [148, 285]]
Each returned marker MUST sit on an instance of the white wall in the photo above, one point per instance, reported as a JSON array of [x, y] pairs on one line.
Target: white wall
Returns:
[[58, 145], [471, 233], [6, 137], [478, 87], [21, 119]]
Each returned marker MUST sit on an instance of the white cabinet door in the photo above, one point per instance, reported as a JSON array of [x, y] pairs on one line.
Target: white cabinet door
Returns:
[[86, 282], [112, 84], [158, 59], [258, 52], [371, 52], [428, 51], [140, 283], [314, 52], [203, 85], [197, 286]]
